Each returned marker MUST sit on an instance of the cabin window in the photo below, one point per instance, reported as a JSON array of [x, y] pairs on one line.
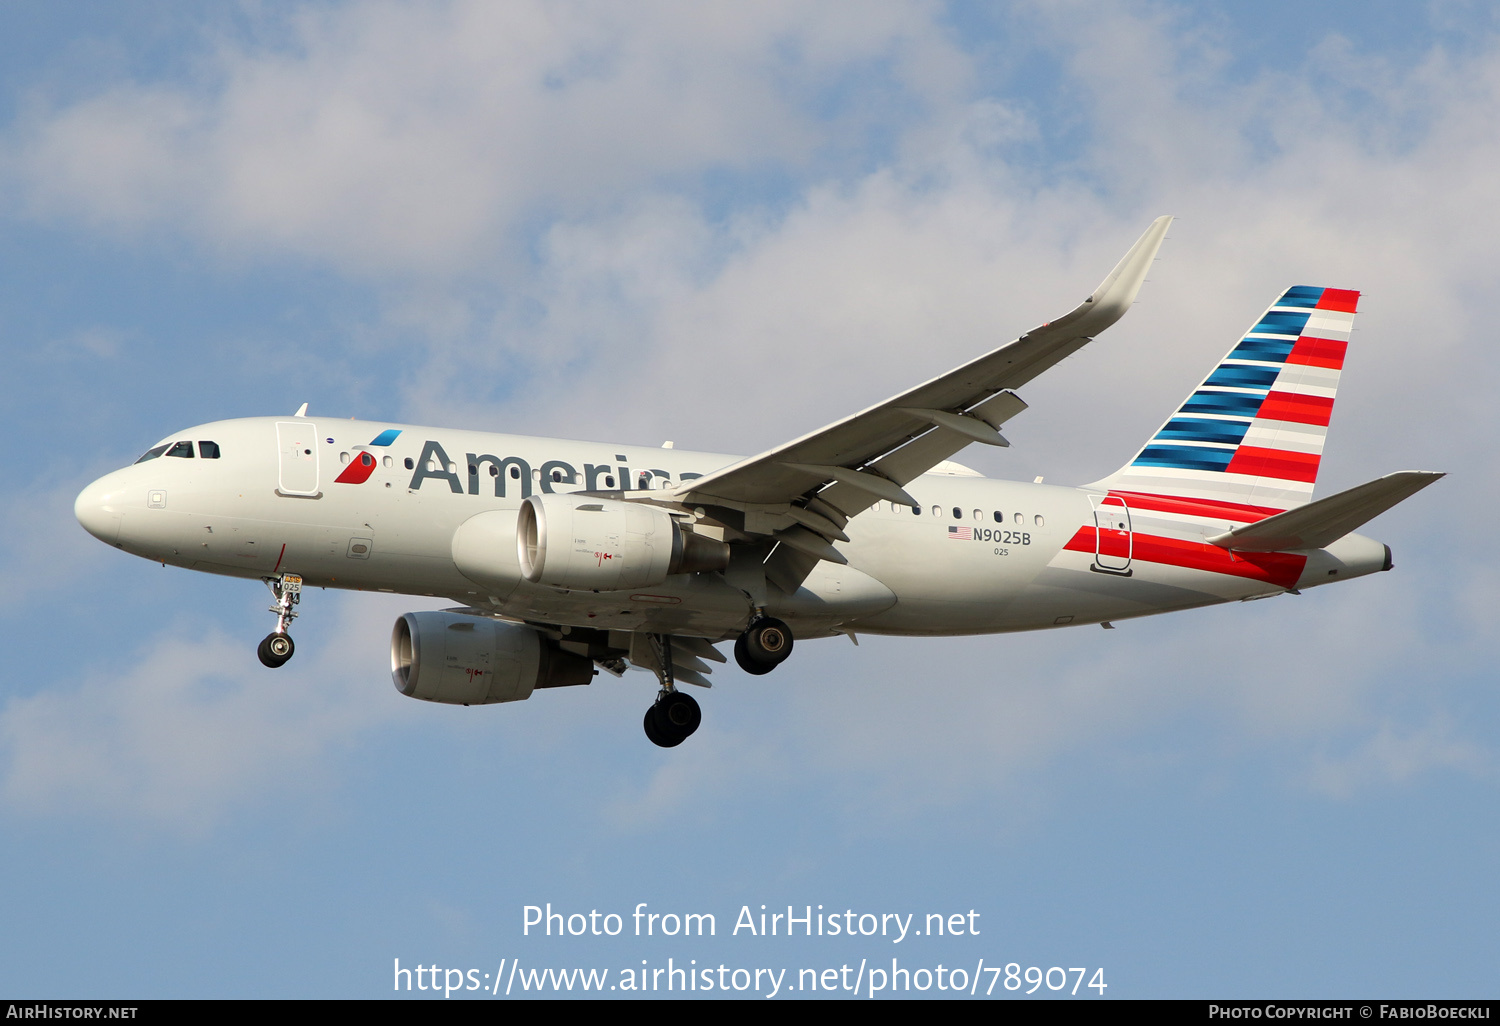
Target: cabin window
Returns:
[[556, 476], [958, 514], [409, 464], [182, 450], [515, 472], [151, 454], [343, 457], [388, 462], [979, 514], [1019, 519], [999, 517], [1040, 520], [917, 510], [609, 481], [208, 450]]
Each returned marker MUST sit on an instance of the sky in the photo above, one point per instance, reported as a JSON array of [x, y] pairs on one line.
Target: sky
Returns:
[[727, 225]]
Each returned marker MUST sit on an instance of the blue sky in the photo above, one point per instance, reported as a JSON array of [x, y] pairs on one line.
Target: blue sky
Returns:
[[727, 226]]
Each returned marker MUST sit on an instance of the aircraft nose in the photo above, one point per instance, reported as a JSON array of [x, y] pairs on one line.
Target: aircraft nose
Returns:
[[95, 511]]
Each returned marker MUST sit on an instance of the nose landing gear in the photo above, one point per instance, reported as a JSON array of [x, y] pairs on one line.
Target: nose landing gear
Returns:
[[276, 648]]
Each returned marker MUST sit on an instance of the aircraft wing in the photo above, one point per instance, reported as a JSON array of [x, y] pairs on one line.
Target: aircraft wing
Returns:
[[870, 455]]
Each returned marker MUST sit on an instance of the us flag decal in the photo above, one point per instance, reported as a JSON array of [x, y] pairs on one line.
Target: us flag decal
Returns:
[[960, 534]]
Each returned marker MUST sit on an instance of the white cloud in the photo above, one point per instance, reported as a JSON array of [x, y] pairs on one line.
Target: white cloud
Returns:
[[415, 141], [868, 283], [906, 726], [196, 726], [43, 549], [412, 137], [1395, 756]]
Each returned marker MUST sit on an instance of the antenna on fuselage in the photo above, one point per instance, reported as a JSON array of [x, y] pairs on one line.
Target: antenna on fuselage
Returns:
[[301, 411]]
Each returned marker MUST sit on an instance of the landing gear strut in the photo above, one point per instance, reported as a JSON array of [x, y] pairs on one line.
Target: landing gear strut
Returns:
[[276, 648], [674, 716], [764, 646]]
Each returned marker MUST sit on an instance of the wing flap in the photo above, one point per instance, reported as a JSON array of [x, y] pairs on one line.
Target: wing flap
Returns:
[[907, 463], [699, 647]]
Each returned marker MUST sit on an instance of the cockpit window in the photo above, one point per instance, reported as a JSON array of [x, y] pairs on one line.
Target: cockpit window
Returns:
[[208, 450], [151, 454], [183, 450]]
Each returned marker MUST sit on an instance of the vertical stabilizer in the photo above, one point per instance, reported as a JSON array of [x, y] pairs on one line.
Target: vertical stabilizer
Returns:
[[1252, 434]]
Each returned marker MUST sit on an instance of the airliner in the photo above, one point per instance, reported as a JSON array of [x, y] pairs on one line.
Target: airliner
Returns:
[[567, 558]]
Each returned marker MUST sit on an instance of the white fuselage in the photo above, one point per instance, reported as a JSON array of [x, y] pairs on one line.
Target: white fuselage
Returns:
[[321, 498]]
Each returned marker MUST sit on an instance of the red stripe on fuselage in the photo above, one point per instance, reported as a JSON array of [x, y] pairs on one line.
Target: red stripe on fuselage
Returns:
[[1297, 408], [1211, 508], [1279, 568], [1282, 464]]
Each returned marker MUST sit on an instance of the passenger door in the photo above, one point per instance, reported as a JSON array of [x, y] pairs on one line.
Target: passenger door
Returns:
[[297, 444]]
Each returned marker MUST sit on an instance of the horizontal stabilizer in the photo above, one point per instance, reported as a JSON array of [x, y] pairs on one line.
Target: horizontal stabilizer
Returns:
[[1321, 523]]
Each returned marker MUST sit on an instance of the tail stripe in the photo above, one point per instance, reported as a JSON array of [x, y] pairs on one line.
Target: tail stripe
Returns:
[[1281, 322], [1241, 375], [1266, 350], [1298, 408], [1254, 430], [1199, 429], [1342, 300], [1290, 466], [1273, 434], [1234, 404], [1318, 352], [1185, 457]]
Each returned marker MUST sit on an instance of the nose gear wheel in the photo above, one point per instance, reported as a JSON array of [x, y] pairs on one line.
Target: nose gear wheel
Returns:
[[275, 649]]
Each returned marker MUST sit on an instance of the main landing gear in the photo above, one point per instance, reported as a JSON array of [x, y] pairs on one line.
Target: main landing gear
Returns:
[[674, 716], [276, 648], [672, 719], [764, 646]]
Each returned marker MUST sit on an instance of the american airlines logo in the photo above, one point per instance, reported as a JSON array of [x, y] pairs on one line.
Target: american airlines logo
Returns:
[[363, 464], [434, 463]]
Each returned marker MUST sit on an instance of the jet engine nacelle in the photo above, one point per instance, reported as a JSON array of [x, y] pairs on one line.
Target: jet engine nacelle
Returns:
[[473, 660], [587, 543]]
